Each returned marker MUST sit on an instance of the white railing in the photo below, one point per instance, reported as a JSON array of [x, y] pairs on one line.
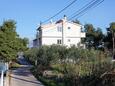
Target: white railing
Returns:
[[2, 79], [2, 71]]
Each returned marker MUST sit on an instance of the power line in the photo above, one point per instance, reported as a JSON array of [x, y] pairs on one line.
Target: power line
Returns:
[[82, 7], [89, 9], [60, 11], [86, 7]]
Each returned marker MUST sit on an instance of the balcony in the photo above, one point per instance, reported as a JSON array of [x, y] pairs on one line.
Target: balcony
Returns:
[[83, 34]]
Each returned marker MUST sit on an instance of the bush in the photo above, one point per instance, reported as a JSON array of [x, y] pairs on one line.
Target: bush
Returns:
[[78, 66]]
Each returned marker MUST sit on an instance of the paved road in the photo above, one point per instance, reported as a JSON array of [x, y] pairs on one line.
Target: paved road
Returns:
[[23, 77]]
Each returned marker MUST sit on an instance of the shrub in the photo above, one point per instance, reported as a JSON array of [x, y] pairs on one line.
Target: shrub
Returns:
[[78, 66]]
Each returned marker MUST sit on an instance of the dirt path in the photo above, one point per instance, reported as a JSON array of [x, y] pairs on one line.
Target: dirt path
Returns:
[[23, 77]]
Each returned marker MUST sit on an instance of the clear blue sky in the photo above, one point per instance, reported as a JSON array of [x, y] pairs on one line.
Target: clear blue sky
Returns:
[[28, 13]]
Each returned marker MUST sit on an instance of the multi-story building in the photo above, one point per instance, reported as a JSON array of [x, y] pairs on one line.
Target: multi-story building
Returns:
[[62, 32]]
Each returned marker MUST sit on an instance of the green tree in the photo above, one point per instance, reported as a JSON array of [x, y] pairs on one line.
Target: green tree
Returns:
[[98, 37], [109, 38], [112, 28], [89, 29], [10, 42], [94, 36]]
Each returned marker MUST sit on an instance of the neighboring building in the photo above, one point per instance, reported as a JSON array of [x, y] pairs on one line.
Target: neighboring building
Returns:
[[62, 32]]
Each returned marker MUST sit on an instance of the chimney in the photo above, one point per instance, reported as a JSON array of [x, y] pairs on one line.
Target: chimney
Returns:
[[65, 18], [51, 21]]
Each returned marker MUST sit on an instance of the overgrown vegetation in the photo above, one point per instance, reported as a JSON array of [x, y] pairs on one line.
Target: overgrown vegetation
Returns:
[[64, 66]]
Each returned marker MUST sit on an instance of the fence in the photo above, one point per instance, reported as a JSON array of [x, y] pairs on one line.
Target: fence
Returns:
[[3, 70], [2, 79]]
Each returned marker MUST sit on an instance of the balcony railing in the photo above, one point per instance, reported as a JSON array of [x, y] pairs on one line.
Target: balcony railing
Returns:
[[83, 34]]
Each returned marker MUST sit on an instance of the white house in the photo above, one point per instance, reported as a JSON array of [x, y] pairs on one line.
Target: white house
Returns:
[[62, 32]]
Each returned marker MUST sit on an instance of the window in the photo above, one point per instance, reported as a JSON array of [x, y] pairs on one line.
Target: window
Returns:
[[59, 29], [69, 40], [59, 41], [69, 27]]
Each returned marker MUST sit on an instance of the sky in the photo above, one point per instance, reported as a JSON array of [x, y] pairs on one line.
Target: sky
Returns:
[[29, 13]]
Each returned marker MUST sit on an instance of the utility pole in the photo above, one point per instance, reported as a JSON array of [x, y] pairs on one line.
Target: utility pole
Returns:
[[62, 33], [113, 44], [40, 35], [63, 22]]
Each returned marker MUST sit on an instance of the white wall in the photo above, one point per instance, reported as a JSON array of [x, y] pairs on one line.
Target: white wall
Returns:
[[49, 41], [73, 32], [73, 41], [51, 31], [50, 34]]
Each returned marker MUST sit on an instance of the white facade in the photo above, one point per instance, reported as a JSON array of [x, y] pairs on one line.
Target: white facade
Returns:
[[62, 32]]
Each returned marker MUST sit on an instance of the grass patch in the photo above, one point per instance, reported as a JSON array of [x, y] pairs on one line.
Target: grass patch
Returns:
[[14, 65], [45, 81]]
